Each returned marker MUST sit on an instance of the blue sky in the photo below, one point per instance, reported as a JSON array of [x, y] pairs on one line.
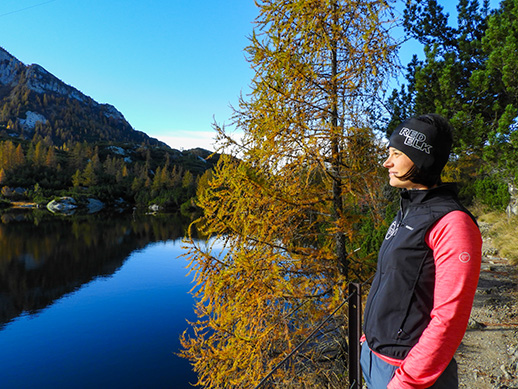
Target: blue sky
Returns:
[[170, 66]]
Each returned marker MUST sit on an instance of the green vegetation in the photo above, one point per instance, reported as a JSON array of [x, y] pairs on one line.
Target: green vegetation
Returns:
[[469, 76], [116, 174], [55, 141], [492, 192]]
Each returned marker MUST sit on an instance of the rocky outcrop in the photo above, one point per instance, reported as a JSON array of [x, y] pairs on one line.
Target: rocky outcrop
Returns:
[[31, 119], [10, 68], [30, 94], [512, 208], [41, 81], [68, 206]]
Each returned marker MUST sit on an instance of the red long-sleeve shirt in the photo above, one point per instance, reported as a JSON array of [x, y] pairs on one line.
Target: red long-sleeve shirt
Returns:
[[457, 250]]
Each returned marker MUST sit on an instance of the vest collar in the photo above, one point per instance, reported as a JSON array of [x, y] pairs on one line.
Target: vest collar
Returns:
[[414, 197], [425, 194]]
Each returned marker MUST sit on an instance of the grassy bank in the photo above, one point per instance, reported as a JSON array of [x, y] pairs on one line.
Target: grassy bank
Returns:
[[502, 231]]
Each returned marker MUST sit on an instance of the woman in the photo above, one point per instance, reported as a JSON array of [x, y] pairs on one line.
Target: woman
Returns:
[[428, 267]]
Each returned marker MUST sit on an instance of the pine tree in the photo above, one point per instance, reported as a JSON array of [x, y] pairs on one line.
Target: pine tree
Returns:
[[78, 156], [157, 179], [19, 156], [77, 179], [497, 84], [96, 162], [39, 155], [187, 180], [284, 203], [136, 185], [442, 82], [89, 176], [50, 159]]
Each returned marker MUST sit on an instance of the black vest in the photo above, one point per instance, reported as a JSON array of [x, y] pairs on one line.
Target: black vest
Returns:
[[401, 297]]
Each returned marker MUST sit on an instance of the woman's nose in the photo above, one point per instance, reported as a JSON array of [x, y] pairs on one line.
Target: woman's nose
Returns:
[[387, 163]]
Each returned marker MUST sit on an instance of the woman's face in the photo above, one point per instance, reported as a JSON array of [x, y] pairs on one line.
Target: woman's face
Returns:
[[398, 164]]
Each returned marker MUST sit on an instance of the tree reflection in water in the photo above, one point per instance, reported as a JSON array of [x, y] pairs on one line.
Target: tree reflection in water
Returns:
[[43, 257]]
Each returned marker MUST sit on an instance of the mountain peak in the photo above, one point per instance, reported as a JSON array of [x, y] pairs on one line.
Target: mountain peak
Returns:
[[29, 94], [9, 67], [41, 81]]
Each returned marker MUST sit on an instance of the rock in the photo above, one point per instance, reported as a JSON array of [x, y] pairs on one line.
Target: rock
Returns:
[[65, 205], [94, 205], [68, 205], [475, 325], [20, 191], [490, 252], [506, 373], [120, 205], [512, 208], [154, 208], [484, 228], [31, 119]]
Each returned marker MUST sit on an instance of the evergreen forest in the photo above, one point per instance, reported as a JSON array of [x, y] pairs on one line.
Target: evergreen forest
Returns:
[[121, 175]]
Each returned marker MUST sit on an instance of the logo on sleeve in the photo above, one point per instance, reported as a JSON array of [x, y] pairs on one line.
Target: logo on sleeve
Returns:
[[464, 257]]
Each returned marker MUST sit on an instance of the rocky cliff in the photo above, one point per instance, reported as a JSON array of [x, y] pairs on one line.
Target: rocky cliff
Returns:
[[34, 102]]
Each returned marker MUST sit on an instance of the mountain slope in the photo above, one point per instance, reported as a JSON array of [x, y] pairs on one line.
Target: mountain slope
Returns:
[[34, 104]]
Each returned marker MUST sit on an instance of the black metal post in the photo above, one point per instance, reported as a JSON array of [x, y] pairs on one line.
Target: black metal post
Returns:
[[355, 325]]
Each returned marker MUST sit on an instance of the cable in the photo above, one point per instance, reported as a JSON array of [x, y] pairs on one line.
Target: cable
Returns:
[[267, 377], [26, 8]]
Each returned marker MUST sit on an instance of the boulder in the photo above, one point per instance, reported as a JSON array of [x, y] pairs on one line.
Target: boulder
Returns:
[[154, 207], [94, 205], [68, 205], [512, 208], [65, 205]]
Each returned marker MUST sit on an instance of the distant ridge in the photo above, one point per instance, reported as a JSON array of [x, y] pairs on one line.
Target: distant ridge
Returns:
[[36, 105]]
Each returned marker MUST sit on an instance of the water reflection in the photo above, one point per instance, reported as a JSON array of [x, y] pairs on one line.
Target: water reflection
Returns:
[[44, 257]]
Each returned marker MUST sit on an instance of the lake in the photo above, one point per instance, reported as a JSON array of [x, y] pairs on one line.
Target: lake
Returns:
[[93, 301]]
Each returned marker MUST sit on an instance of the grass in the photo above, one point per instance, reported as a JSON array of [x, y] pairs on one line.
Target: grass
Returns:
[[502, 231]]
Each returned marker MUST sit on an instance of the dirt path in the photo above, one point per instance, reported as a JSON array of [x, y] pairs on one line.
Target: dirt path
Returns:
[[488, 354]]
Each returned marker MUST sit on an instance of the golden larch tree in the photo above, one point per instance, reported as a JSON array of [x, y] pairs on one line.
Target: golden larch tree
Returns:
[[283, 205]]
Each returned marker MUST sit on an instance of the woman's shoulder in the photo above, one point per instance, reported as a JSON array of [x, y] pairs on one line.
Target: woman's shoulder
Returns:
[[455, 218], [455, 225]]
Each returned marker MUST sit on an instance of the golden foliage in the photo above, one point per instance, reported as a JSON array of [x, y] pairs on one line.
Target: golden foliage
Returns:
[[282, 207]]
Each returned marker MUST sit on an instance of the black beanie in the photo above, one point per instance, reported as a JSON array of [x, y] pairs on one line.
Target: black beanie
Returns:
[[428, 148]]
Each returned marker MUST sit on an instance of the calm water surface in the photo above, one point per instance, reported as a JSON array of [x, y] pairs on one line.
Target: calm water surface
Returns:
[[92, 302]]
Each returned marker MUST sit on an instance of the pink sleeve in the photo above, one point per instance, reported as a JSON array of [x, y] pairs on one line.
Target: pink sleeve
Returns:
[[457, 249]]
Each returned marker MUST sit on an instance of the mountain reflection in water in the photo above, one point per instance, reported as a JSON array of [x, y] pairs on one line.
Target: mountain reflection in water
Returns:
[[43, 258], [93, 301]]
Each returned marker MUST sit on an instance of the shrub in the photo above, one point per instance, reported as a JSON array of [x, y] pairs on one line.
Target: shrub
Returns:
[[492, 192]]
